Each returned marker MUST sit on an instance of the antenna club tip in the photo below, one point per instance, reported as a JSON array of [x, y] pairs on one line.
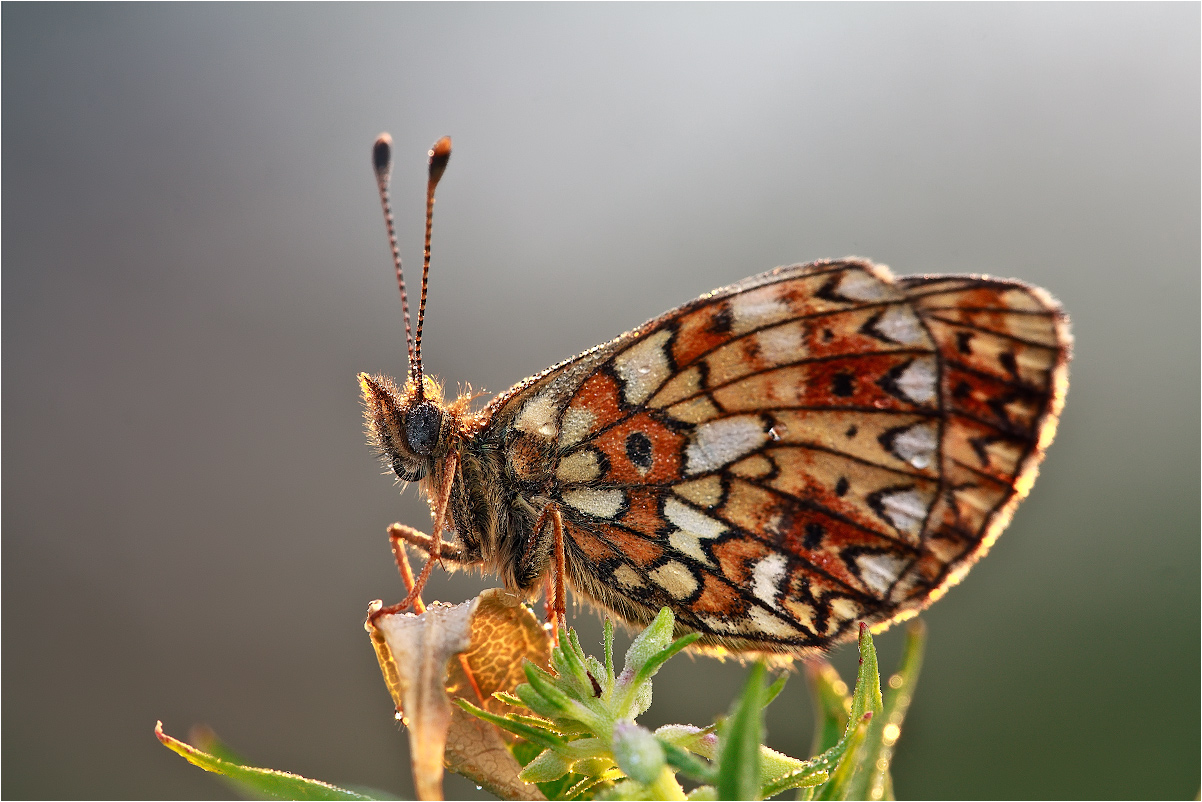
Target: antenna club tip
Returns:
[[381, 156], [440, 154], [440, 149]]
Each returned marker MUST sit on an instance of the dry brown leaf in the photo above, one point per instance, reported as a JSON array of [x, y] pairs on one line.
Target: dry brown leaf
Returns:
[[413, 652], [493, 634]]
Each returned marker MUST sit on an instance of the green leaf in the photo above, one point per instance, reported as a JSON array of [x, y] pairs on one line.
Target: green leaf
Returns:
[[546, 767], [257, 782], [559, 701], [687, 763], [656, 661], [647, 644], [699, 740], [851, 779], [774, 689], [535, 735], [878, 781], [568, 661], [531, 698], [867, 695], [609, 651], [739, 742], [832, 701]]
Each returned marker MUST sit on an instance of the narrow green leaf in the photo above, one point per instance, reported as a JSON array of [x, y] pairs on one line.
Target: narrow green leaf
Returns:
[[647, 644], [867, 695], [779, 772], [597, 671], [559, 703], [850, 780], [548, 766], [879, 780], [535, 735], [257, 782], [739, 742], [535, 701], [848, 763], [832, 701], [206, 740], [687, 763], [509, 698], [657, 660], [609, 651], [774, 689], [583, 787], [569, 665], [535, 721]]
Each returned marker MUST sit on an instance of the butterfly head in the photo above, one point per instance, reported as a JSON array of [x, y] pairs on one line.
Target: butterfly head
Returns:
[[409, 430]]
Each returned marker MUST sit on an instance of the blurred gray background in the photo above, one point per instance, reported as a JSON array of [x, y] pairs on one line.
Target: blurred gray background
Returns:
[[195, 268]]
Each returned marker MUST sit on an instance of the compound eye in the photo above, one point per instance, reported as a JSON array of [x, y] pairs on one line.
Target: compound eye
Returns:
[[423, 424], [408, 473]]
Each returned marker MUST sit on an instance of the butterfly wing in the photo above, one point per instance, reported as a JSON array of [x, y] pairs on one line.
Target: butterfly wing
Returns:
[[782, 458]]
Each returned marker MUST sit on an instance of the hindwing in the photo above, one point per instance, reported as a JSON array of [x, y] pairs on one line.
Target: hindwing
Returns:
[[782, 458]]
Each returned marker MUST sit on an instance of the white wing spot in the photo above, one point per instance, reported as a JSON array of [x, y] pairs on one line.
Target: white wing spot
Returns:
[[597, 503], [860, 285], [676, 578], [720, 442], [755, 308], [782, 345], [579, 466], [627, 576], [916, 444], [694, 527], [906, 510], [577, 423], [538, 416], [643, 367], [766, 578], [900, 324], [717, 623], [879, 571], [767, 623], [690, 520], [917, 381]]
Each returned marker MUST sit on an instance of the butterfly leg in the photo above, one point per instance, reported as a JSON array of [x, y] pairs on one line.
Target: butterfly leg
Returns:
[[556, 593], [397, 534], [433, 545]]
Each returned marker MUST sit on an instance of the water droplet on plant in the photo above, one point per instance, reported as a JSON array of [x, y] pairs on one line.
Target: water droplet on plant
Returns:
[[644, 370]]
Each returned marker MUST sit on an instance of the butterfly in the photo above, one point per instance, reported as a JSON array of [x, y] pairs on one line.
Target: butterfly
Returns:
[[776, 461]]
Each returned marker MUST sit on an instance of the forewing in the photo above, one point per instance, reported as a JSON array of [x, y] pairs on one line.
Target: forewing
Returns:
[[783, 457]]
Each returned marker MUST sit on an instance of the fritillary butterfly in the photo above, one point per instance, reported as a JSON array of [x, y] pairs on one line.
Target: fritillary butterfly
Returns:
[[776, 461]]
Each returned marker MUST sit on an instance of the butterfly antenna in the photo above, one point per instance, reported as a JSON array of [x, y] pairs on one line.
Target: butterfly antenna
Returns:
[[439, 154], [381, 162]]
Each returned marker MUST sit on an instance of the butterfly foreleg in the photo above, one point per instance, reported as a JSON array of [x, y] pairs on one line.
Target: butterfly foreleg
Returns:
[[415, 537], [433, 545]]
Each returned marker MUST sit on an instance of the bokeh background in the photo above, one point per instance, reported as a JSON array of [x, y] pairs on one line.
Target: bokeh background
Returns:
[[194, 269]]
